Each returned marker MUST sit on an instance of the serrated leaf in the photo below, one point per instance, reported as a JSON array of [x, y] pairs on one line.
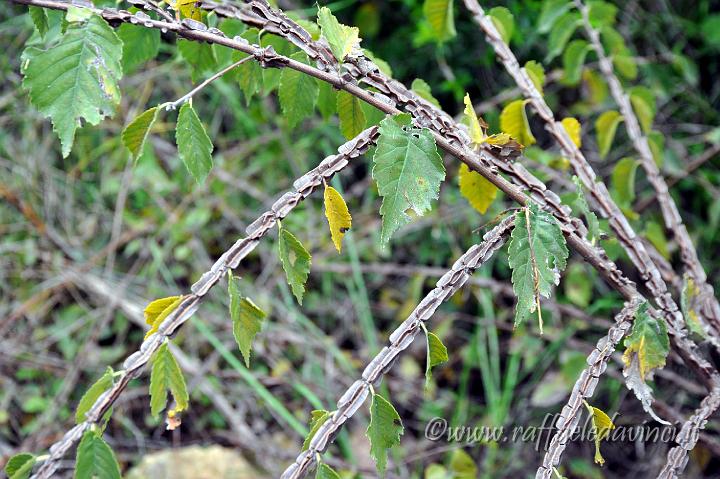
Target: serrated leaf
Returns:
[[271, 76], [341, 38], [95, 459], [137, 131], [194, 145], [384, 430], [475, 188], [573, 61], [622, 181], [327, 100], [76, 78], [561, 32], [643, 102], [437, 354], [601, 14], [462, 465], [514, 122], [605, 128], [140, 44], [250, 74], [199, 55], [40, 20], [691, 306], [352, 117], [317, 419], [166, 376], [537, 254], [324, 471], [20, 465], [536, 72], [338, 216], [158, 310], [551, 11], [422, 89], [408, 171], [503, 21], [601, 427], [88, 399], [247, 318], [572, 127], [298, 92], [440, 16], [295, 261]]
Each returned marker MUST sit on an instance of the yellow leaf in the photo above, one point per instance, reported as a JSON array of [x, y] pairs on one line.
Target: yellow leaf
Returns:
[[572, 126], [514, 122], [476, 189], [158, 310], [477, 129], [498, 139], [188, 9], [338, 216], [601, 427]]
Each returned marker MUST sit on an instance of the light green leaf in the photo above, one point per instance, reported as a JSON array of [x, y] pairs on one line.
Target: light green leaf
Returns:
[[95, 459], [317, 419], [437, 354], [250, 74], [643, 102], [573, 61], [462, 465], [295, 261], [271, 76], [577, 285], [536, 72], [166, 376], [601, 13], [591, 219], [514, 122], [626, 65], [341, 38], [384, 430], [140, 44], [40, 20], [551, 11], [327, 100], [475, 188], [199, 55], [324, 471], [503, 21], [91, 395], [440, 16], [352, 117], [622, 181], [408, 171], [561, 32], [20, 466], [657, 146], [605, 128], [137, 131], [648, 340], [76, 78], [422, 89], [298, 92], [381, 64], [247, 318], [537, 254], [193, 143], [691, 306]]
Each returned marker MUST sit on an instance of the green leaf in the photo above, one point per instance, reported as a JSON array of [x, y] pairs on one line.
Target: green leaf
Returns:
[[437, 354], [601, 427], [166, 376], [77, 78], [384, 430], [92, 394], [605, 128], [338, 216], [422, 89], [656, 235], [596, 85], [561, 32], [247, 318], [626, 65], [193, 143], [475, 188], [462, 465], [327, 100], [95, 459], [199, 55], [514, 122], [537, 254], [250, 74], [648, 341], [40, 20], [657, 146], [440, 16], [271, 76], [622, 181], [298, 92], [577, 285], [573, 61], [536, 72], [503, 21], [324, 471], [643, 102], [341, 38], [601, 13], [408, 171], [137, 131], [591, 219], [352, 117], [140, 44], [551, 11], [317, 419], [691, 306], [20, 465], [295, 261], [381, 64]]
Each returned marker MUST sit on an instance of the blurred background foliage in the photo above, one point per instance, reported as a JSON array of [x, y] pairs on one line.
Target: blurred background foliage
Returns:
[[87, 241]]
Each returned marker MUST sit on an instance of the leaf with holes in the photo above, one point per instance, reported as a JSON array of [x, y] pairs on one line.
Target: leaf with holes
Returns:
[[514, 122], [384, 430], [247, 318], [137, 131], [194, 145], [440, 16], [341, 38], [95, 459], [338, 216], [298, 92], [166, 376], [295, 261], [437, 354]]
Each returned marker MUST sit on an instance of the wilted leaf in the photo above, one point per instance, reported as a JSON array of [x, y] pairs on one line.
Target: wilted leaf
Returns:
[[338, 216], [690, 304], [601, 427], [572, 126]]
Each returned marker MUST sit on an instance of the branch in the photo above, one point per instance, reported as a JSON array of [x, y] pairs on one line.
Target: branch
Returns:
[[671, 215], [400, 339]]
